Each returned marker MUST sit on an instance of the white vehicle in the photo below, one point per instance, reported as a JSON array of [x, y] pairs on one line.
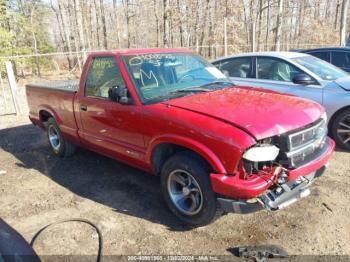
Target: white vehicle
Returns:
[[297, 74]]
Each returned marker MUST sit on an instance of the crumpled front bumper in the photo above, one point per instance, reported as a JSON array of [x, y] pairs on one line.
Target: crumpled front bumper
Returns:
[[238, 193], [276, 199]]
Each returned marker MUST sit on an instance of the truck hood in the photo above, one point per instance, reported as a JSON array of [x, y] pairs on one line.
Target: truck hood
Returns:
[[344, 82], [261, 114]]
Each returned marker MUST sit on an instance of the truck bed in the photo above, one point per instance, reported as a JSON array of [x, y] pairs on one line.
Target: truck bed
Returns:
[[63, 85], [55, 98]]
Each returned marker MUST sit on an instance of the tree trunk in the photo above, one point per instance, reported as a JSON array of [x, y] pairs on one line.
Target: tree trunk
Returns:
[[155, 10], [104, 29], [35, 42], [298, 24], [74, 28], [60, 29], [259, 23], [343, 19], [97, 24], [252, 38], [92, 28], [206, 15], [336, 15], [86, 17], [165, 24], [127, 18], [66, 32], [181, 29], [279, 26], [79, 17], [267, 26], [114, 18]]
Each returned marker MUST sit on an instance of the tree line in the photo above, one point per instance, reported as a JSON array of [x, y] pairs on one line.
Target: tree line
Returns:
[[39, 26]]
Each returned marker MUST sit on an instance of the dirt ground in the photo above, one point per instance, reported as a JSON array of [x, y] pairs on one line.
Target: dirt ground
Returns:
[[127, 206]]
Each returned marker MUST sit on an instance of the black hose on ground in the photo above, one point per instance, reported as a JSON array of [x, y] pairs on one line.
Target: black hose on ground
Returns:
[[100, 240]]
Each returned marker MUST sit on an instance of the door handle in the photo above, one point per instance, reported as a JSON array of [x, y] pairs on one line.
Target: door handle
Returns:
[[83, 107]]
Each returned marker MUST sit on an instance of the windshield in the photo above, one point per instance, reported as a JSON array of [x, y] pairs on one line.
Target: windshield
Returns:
[[160, 77], [324, 70]]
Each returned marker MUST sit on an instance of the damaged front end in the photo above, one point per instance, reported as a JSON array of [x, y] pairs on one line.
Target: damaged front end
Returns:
[[277, 171]]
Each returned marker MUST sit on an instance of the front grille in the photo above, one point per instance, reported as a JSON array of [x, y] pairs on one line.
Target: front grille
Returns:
[[303, 145]]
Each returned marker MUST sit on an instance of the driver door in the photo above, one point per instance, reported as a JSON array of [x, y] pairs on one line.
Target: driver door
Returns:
[[109, 127]]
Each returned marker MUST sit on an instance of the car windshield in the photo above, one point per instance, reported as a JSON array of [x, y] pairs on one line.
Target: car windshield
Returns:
[[159, 77], [324, 70]]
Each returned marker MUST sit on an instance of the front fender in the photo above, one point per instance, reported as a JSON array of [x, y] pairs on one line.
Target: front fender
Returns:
[[189, 143]]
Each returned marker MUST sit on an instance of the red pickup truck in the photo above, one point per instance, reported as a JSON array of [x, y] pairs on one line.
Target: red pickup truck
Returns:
[[217, 147]]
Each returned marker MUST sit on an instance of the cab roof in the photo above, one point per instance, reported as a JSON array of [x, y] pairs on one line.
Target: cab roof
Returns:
[[142, 51]]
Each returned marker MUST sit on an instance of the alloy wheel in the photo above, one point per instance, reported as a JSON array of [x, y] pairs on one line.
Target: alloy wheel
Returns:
[[54, 138], [343, 130], [185, 192]]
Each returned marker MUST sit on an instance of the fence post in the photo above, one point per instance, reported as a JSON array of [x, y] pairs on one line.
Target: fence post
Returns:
[[84, 55], [13, 85], [3, 92]]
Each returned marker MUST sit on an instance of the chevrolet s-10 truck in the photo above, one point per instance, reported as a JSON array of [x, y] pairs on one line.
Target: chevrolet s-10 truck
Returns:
[[217, 147]]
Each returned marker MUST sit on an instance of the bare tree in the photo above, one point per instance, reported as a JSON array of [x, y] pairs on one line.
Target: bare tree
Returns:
[[251, 24], [165, 23], [127, 19], [279, 26], [104, 29], [35, 42], [343, 19], [336, 14], [97, 25], [78, 15]]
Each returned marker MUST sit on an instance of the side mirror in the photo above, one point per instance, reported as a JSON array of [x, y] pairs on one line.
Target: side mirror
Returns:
[[119, 94], [303, 79]]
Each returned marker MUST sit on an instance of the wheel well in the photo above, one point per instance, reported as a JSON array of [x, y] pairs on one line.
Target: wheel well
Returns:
[[44, 116], [165, 150], [330, 123]]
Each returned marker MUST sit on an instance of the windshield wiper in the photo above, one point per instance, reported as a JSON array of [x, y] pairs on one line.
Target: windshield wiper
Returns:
[[217, 83], [202, 88], [190, 90]]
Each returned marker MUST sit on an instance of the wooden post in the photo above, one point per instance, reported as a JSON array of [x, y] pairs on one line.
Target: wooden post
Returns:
[[13, 86], [3, 93]]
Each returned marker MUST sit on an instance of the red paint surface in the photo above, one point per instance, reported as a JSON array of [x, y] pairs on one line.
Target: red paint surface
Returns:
[[218, 125]]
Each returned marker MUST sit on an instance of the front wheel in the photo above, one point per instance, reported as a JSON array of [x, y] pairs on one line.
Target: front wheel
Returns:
[[340, 129], [187, 189], [59, 145]]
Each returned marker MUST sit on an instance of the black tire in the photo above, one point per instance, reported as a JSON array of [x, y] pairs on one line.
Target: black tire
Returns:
[[62, 148], [188, 162], [341, 123]]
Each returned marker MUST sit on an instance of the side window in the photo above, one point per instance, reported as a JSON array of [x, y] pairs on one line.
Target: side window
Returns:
[[103, 74], [341, 59], [275, 69], [321, 55], [237, 67]]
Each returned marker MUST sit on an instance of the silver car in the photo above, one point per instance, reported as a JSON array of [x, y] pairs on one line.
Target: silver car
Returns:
[[298, 74]]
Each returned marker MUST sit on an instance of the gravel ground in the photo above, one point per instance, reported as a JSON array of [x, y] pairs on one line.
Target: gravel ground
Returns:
[[127, 206]]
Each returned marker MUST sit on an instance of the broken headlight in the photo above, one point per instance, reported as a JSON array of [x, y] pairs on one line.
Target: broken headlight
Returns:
[[262, 153]]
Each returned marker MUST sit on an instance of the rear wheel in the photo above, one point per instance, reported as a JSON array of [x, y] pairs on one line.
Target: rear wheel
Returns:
[[59, 145], [187, 189], [340, 129]]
